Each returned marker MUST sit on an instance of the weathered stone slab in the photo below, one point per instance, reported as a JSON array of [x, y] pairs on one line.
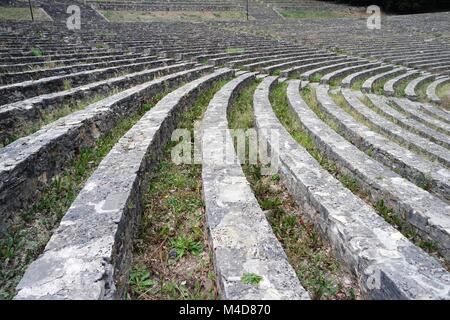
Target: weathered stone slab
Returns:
[[424, 212], [89, 255]]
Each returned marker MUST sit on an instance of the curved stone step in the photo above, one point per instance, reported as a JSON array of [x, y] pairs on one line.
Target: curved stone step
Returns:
[[393, 131], [241, 238], [89, 255], [387, 265], [390, 85], [252, 59], [245, 56], [382, 105], [261, 64], [27, 164], [10, 78], [290, 63], [370, 83], [38, 66], [350, 80], [429, 115], [47, 58], [424, 212], [429, 64], [416, 169], [299, 69]]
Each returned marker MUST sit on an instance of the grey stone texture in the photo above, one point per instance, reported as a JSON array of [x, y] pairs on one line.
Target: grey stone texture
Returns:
[[89, 255], [241, 238], [385, 263]]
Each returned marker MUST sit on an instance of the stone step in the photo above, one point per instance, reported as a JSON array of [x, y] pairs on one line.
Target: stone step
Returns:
[[296, 62], [424, 212], [393, 131], [27, 89], [244, 56], [429, 115], [10, 78], [300, 68], [261, 64], [309, 75], [252, 59], [389, 86], [386, 264], [233, 211], [370, 73], [409, 165], [432, 88], [55, 145], [24, 67], [342, 72], [410, 90]]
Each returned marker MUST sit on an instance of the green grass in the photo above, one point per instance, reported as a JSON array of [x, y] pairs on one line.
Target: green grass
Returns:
[[185, 244], [318, 271], [443, 92], [421, 91], [172, 244], [378, 86], [399, 90], [357, 85], [67, 85], [100, 45]]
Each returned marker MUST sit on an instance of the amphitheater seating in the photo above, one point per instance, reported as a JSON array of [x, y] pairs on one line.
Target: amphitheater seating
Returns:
[[368, 163]]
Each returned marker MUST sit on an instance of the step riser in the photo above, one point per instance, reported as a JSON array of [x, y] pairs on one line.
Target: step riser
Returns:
[[20, 115]]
